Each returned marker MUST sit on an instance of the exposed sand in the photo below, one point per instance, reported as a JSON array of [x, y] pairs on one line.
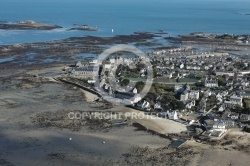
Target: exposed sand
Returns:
[[23, 143], [160, 125], [233, 151], [89, 97], [30, 147]]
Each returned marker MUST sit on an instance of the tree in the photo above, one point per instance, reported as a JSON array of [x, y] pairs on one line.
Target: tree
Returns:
[[237, 109], [229, 59], [246, 129], [151, 97], [177, 105], [139, 86], [246, 111], [155, 72], [169, 102], [239, 65], [106, 73], [222, 81], [140, 66], [198, 84], [125, 82]]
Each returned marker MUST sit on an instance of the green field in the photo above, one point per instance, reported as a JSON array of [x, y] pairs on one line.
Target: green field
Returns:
[[246, 103], [187, 80]]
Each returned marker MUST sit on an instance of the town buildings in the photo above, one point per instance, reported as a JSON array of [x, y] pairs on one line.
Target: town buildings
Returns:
[[211, 83]]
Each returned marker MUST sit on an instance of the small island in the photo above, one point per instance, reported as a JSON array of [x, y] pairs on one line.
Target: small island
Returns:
[[28, 25], [85, 28]]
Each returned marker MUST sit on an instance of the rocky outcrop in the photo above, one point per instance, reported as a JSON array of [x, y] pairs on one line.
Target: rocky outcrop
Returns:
[[27, 25]]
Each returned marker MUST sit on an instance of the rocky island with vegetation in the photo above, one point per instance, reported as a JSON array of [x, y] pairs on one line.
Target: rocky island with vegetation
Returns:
[[28, 25], [85, 28]]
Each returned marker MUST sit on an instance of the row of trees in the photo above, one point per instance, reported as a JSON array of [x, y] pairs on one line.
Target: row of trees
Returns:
[[168, 101]]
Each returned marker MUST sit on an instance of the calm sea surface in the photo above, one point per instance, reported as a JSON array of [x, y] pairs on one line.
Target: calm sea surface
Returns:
[[125, 17]]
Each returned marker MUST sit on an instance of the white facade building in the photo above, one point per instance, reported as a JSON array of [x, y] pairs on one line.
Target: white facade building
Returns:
[[234, 100], [210, 83]]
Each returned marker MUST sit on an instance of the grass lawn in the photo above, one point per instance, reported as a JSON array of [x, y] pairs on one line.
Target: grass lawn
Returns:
[[136, 79], [246, 103], [188, 80]]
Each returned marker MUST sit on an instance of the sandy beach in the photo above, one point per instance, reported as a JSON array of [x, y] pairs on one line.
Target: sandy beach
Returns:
[[90, 97], [23, 142]]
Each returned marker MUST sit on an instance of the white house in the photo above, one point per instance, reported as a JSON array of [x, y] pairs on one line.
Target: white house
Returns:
[[134, 98], [234, 116], [157, 106], [144, 105], [172, 115], [221, 109], [184, 96], [182, 66], [83, 72], [181, 88], [190, 104], [219, 125], [210, 83], [194, 95], [208, 93], [219, 97], [135, 90], [245, 117], [107, 66], [189, 95], [234, 100]]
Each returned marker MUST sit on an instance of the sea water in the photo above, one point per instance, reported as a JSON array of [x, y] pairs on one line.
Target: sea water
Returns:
[[124, 17]]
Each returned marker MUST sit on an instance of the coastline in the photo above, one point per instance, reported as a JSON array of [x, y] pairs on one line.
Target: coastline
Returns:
[[193, 111], [150, 122], [30, 91]]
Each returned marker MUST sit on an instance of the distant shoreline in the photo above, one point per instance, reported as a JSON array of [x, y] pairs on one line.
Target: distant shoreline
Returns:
[[32, 25]]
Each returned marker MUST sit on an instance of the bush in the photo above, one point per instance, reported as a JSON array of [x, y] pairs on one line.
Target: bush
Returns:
[[139, 86], [247, 129], [125, 82]]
